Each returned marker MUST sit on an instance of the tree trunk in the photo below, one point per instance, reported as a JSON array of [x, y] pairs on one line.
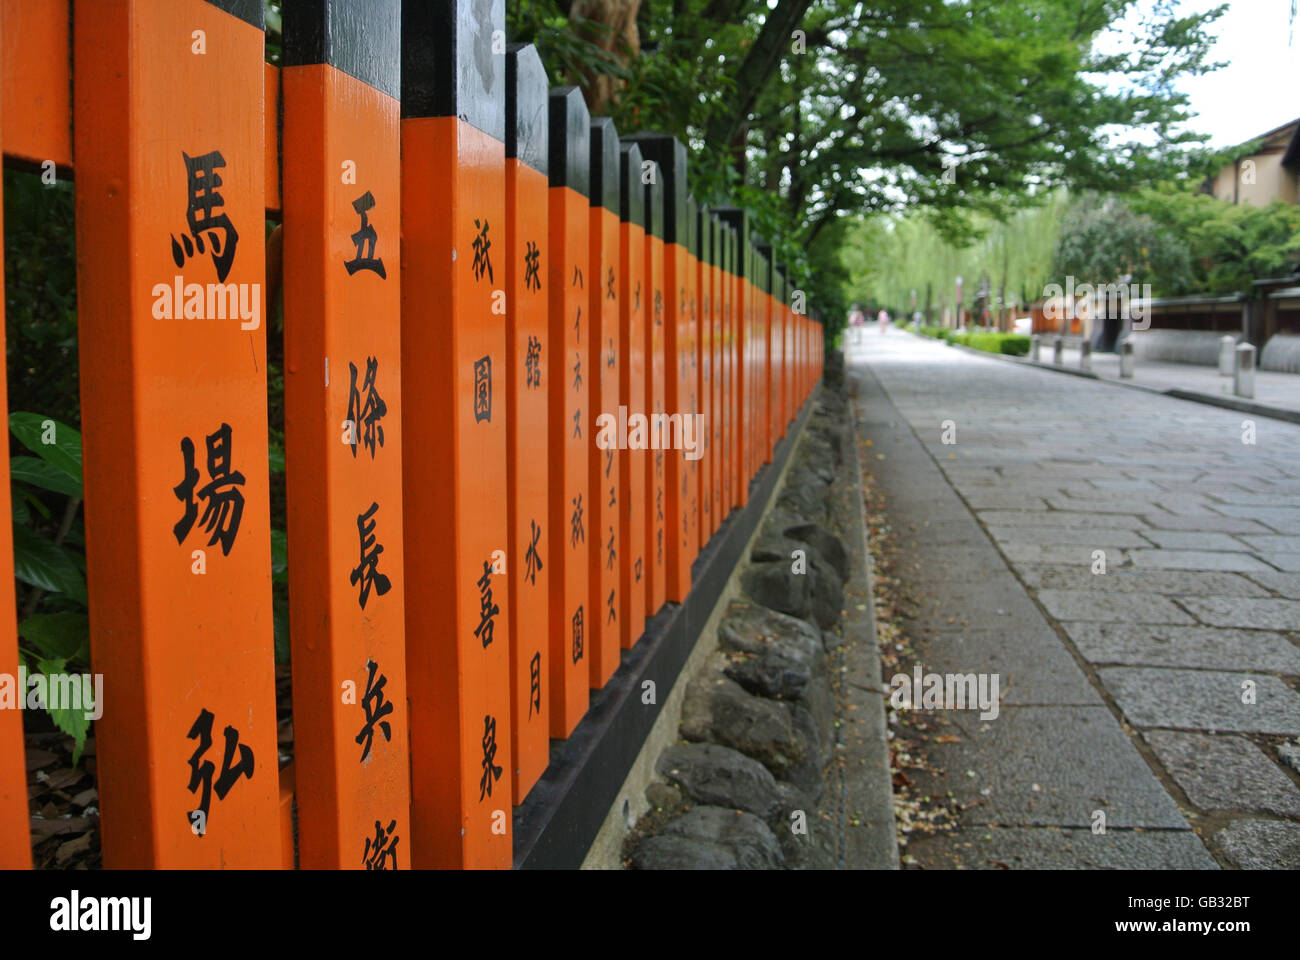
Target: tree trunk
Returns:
[[620, 38]]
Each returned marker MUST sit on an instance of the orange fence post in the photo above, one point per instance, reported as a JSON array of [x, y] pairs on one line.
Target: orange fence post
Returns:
[[763, 349], [571, 417], [779, 355], [631, 394], [604, 461], [343, 431], [702, 234], [655, 394], [527, 259], [727, 451], [15, 831], [454, 468], [738, 448], [693, 502], [171, 260], [37, 98], [670, 577]]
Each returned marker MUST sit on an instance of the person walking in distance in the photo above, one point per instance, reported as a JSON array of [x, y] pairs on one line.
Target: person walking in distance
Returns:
[[856, 320]]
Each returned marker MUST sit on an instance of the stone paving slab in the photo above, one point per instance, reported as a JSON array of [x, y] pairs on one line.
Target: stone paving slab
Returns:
[[1132, 607], [1286, 562], [1067, 536], [1050, 766], [1202, 700], [1204, 523], [1054, 848], [995, 600], [1032, 665], [1262, 613], [1146, 580], [1192, 647], [1287, 584], [1197, 560], [1189, 540], [1061, 518], [1225, 773], [1261, 844], [1074, 554]]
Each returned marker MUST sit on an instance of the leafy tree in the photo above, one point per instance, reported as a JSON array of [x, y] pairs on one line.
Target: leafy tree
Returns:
[[1104, 239]]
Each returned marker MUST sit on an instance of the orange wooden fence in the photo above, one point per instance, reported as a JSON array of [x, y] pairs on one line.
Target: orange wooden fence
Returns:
[[487, 296]]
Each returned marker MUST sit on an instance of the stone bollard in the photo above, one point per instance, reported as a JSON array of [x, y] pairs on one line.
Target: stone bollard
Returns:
[[1227, 345], [1036, 348], [1243, 373], [1058, 351], [1126, 358], [1085, 355]]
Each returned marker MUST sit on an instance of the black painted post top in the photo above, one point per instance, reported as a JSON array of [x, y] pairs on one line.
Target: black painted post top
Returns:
[[669, 156], [453, 62], [728, 243], [692, 227], [782, 284], [361, 38], [250, 11], [631, 198], [654, 196], [570, 148], [527, 124], [738, 221], [604, 164]]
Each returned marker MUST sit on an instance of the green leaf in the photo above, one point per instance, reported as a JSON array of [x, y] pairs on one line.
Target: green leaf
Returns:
[[43, 474], [42, 563], [71, 720], [275, 457], [21, 514], [64, 635], [64, 450]]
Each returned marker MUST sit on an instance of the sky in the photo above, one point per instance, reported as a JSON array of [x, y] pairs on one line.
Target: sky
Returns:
[[1259, 89]]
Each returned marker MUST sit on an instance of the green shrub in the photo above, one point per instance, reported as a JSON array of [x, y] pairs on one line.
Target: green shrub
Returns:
[[1013, 344]]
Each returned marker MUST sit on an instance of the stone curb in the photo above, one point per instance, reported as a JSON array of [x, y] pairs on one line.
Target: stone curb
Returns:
[[864, 735]]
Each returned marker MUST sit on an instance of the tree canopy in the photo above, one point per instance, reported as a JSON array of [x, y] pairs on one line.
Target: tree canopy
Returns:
[[808, 111]]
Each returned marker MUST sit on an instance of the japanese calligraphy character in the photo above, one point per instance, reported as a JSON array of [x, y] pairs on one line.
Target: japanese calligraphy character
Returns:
[[202, 181], [491, 771], [532, 275], [487, 609], [533, 559], [365, 572], [366, 416], [483, 390], [533, 363], [382, 847], [376, 713], [363, 238], [577, 634], [535, 684], [201, 773], [482, 259], [576, 532], [225, 504]]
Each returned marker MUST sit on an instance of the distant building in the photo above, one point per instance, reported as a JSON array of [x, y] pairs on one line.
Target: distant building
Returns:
[[1270, 173]]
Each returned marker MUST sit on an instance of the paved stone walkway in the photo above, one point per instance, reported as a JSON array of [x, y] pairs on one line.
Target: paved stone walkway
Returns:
[[1162, 692]]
